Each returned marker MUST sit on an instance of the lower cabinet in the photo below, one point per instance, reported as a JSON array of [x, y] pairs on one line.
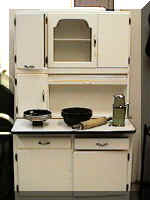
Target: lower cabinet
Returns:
[[47, 163], [100, 171]]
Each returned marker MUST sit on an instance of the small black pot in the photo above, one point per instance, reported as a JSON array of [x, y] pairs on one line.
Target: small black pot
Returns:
[[75, 115]]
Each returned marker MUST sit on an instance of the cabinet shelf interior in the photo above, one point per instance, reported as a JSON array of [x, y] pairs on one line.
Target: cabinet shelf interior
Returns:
[[72, 41]]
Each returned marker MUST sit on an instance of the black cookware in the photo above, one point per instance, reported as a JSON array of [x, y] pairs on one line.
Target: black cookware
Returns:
[[75, 115], [37, 116]]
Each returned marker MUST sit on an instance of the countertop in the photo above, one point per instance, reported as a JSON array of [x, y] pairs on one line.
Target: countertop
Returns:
[[57, 126]]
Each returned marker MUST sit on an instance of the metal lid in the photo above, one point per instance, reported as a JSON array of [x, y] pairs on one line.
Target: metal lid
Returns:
[[119, 100]]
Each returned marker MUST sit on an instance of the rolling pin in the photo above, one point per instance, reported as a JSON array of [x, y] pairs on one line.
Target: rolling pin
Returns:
[[91, 123]]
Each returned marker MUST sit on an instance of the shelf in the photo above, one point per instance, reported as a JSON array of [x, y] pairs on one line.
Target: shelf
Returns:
[[72, 39], [88, 80]]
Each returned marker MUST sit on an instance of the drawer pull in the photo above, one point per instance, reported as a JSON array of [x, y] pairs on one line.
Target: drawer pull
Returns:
[[44, 143], [101, 145]]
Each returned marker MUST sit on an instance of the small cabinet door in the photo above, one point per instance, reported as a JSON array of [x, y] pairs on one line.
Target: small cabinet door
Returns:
[[44, 170], [100, 171], [114, 40], [31, 92], [30, 40], [72, 40]]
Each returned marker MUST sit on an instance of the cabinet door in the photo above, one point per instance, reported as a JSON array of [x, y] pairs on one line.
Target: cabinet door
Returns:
[[114, 40], [32, 92], [30, 39], [72, 40], [45, 170], [100, 171]]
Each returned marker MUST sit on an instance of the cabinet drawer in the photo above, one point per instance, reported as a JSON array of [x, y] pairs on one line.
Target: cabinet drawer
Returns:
[[32, 142], [102, 143]]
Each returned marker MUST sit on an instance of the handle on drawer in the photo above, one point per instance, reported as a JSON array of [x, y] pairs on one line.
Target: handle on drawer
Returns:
[[44, 143], [102, 145]]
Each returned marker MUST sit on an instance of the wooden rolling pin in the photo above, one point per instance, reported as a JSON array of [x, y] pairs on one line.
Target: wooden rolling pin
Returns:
[[91, 123]]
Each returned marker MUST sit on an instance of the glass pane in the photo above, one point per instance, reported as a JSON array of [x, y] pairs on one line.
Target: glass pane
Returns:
[[72, 51], [72, 41], [72, 28]]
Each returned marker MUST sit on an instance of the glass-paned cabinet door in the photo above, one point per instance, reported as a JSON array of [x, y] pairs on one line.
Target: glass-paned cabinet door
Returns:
[[72, 40]]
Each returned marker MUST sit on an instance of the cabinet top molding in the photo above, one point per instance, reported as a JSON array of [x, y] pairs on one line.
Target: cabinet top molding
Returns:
[[69, 11]]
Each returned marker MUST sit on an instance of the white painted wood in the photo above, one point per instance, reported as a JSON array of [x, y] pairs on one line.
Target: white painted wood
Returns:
[[58, 125], [45, 170], [99, 98], [30, 90], [114, 40], [87, 80], [101, 144], [43, 142], [76, 50], [53, 71], [100, 171], [30, 39]]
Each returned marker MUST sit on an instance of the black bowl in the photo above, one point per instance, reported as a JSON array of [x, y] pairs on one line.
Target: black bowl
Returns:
[[75, 115]]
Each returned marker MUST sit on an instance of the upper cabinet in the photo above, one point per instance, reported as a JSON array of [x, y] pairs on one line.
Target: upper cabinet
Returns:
[[72, 40], [114, 40], [29, 48]]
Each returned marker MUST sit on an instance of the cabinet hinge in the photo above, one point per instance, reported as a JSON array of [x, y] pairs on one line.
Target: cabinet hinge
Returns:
[[16, 109], [127, 187], [14, 21], [15, 81], [129, 60], [16, 157], [46, 60], [17, 188], [15, 59], [128, 157], [46, 20], [129, 21]]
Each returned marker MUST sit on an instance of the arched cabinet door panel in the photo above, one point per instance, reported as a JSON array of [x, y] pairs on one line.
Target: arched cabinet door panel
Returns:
[[72, 40], [29, 40]]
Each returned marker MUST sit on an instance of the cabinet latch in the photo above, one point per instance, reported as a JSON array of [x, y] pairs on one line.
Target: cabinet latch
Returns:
[[127, 187], [14, 21], [15, 59], [17, 188], [129, 21], [16, 109], [46, 60], [128, 157], [46, 20], [15, 81], [16, 157], [129, 60]]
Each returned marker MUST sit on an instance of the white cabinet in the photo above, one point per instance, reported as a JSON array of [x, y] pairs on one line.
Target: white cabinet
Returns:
[[100, 171], [72, 40], [30, 40], [114, 40], [31, 92], [57, 163], [45, 170], [100, 164]]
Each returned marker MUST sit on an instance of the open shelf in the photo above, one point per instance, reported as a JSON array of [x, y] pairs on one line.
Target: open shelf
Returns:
[[72, 39]]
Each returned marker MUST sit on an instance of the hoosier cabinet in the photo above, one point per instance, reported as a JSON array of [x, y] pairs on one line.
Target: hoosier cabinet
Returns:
[[71, 58]]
